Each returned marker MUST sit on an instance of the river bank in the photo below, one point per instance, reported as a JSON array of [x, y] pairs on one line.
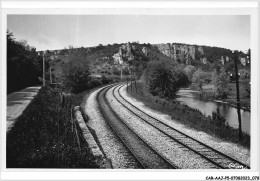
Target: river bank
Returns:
[[208, 93], [207, 107], [190, 117]]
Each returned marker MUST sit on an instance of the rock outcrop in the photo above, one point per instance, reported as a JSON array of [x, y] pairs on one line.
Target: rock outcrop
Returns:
[[222, 60], [167, 49], [118, 59], [227, 59], [184, 53], [204, 60], [145, 51], [125, 51], [192, 52], [200, 49], [243, 61], [129, 53]]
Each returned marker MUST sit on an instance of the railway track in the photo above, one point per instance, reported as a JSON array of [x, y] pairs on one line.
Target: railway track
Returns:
[[144, 154], [206, 152]]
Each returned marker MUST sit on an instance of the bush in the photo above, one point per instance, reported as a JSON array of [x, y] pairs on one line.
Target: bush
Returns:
[[189, 70], [163, 78], [116, 71], [76, 75], [201, 78], [104, 80], [217, 118], [24, 66], [222, 81], [95, 83], [44, 136]]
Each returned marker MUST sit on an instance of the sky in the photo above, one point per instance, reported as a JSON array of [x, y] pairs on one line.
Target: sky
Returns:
[[50, 32]]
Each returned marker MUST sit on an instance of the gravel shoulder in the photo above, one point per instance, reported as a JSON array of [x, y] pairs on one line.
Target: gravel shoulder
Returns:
[[172, 151], [233, 150], [110, 143]]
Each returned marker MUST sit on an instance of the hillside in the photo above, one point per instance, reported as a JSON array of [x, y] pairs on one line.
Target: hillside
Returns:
[[108, 60]]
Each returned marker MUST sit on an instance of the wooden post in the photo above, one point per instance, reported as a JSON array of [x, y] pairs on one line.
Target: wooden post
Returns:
[[121, 73], [126, 83], [43, 70], [131, 84], [50, 76], [238, 98], [135, 86]]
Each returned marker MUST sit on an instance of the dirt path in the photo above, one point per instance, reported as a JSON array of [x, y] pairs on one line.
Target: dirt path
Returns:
[[17, 102]]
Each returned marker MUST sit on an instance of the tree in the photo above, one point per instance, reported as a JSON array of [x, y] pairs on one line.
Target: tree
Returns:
[[189, 70], [249, 54], [222, 81], [163, 78], [76, 75], [245, 80], [230, 66], [23, 64], [201, 78]]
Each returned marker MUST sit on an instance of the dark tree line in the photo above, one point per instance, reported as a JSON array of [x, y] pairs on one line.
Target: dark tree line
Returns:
[[24, 66], [164, 78]]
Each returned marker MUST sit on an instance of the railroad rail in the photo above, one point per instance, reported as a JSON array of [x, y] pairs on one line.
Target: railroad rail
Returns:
[[144, 153], [208, 153]]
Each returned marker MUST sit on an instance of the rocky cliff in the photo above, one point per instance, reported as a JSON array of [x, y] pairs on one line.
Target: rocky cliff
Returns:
[[124, 52], [182, 53]]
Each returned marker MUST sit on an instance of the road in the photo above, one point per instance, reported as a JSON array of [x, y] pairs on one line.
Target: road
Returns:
[[17, 102]]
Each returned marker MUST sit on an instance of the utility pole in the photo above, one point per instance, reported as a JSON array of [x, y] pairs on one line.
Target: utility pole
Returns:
[[43, 69], [131, 84], [50, 76], [121, 73], [238, 98], [131, 79], [135, 83], [135, 86]]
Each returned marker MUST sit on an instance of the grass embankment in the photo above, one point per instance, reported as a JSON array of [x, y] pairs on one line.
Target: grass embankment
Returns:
[[192, 118], [46, 136]]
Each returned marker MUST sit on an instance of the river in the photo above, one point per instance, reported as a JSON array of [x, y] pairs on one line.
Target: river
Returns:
[[192, 99]]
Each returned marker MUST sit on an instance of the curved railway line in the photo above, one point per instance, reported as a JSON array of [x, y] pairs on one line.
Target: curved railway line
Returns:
[[144, 154], [210, 154], [149, 157]]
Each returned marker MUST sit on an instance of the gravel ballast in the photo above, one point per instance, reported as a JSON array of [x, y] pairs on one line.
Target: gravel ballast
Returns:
[[231, 149], [172, 151], [143, 153], [112, 146]]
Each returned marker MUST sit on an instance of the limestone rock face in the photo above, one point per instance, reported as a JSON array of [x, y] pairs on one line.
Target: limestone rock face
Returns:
[[129, 53], [145, 51], [243, 61], [184, 53], [123, 47], [200, 49], [227, 59], [167, 49], [192, 52], [174, 49], [204, 60], [222, 60], [124, 51], [120, 51], [118, 59]]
